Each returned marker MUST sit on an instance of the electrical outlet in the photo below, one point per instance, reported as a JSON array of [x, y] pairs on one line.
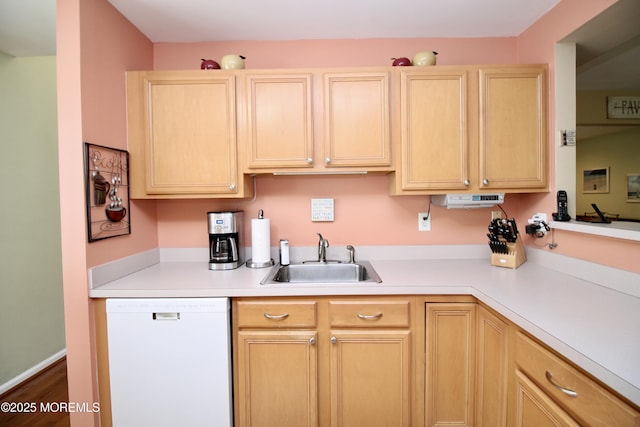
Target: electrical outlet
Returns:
[[424, 221], [539, 217], [496, 214], [537, 225]]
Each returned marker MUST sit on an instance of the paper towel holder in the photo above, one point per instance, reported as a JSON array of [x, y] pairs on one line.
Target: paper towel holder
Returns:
[[263, 264]]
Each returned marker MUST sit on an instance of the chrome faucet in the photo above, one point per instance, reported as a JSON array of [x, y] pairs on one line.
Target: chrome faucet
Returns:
[[352, 254], [323, 244]]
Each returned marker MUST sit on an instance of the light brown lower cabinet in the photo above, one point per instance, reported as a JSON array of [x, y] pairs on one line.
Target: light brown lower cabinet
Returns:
[[323, 362], [576, 399], [536, 409], [401, 361], [279, 380], [492, 361], [450, 364], [370, 384]]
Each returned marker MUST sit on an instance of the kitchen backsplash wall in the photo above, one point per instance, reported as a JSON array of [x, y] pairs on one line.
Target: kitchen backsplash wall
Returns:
[[364, 214]]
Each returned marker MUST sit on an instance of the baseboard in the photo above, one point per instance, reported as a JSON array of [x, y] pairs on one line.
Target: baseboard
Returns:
[[34, 370]]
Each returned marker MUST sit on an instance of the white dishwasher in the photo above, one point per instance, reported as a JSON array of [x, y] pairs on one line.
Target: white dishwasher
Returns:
[[169, 362]]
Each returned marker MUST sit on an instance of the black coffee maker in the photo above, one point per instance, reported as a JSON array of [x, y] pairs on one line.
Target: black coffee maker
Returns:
[[225, 252]]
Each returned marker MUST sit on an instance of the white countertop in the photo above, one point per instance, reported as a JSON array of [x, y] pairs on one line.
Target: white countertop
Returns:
[[591, 324], [627, 230]]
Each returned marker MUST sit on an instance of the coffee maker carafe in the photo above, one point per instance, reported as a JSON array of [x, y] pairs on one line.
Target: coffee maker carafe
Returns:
[[225, 251]]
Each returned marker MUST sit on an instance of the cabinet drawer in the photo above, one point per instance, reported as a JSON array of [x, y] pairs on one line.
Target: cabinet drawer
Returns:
[[277, 314], [368, 314], [584, 398]]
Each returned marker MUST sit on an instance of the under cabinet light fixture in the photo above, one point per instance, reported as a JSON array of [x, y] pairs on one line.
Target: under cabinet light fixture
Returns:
[[321, 173]]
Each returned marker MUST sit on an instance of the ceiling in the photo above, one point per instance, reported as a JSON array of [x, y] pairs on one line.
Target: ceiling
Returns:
[[202, 20], [28, 27], [608, 48]]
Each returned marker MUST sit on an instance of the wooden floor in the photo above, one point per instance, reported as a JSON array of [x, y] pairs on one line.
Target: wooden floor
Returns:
[[48, 386]]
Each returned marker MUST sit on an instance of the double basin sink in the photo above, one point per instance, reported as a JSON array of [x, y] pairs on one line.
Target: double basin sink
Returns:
[[323, 272]]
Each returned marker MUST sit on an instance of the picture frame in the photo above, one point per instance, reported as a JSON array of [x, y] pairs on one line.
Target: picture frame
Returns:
[[633, 188], [106, 192], [595, 180]]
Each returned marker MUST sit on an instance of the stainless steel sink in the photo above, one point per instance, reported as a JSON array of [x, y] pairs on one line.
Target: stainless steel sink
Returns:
[[323, 272]]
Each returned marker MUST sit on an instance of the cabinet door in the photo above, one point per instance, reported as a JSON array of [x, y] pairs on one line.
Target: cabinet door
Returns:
[[279, 120], [357, 119], [433, 127], [370, 378], [277, 379], [535, 409], [186, 125], [493, 341], [513, 127], [450, 364]]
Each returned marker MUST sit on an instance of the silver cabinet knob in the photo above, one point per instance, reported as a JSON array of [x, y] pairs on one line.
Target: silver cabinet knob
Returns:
[[309, 160], [327, 160], [232, 187], [485, 181], [334, 340], [312, 340], [466, 182]]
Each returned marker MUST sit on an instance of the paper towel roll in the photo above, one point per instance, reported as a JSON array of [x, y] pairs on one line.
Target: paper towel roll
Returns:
[[260, 240]]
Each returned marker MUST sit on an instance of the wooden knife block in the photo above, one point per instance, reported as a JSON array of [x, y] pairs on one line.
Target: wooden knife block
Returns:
[[514, 259]]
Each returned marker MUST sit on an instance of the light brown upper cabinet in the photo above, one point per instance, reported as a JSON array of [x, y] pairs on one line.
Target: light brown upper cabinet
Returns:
[[316, 120], [513, 128], [434, 141], [469, 128], [182, 135], [357, 119], [437, 129], [278, 121]]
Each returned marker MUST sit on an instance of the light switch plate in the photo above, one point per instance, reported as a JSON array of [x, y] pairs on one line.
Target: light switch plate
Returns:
[[322, 210], [567, 137]]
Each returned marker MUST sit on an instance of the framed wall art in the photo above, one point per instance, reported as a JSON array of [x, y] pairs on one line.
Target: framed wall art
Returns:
[[107, 192], [633, 187], [595, 180]]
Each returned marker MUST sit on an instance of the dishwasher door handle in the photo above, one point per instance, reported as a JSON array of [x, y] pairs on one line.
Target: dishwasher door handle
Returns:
[[166, 316]]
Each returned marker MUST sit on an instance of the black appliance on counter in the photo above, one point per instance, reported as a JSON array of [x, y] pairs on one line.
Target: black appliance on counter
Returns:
[[225, 251]]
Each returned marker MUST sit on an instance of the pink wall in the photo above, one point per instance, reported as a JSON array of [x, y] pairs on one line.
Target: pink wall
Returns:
[[336, 53], [96, 45], [365, 214], [111, 46], [537, 44], [80, 354]]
